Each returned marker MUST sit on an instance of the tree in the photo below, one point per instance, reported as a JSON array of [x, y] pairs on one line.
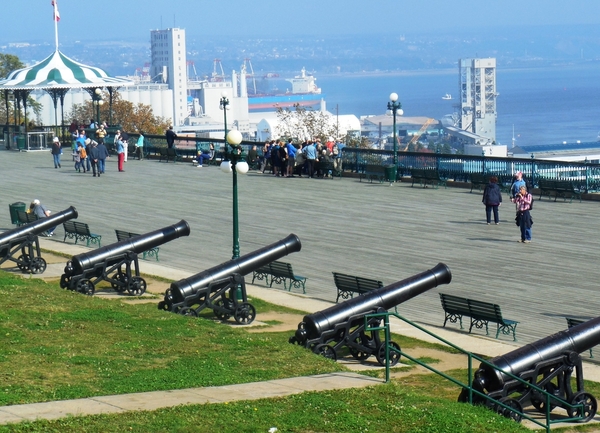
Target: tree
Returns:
[[360, 142], [8, 64], [304, 124], [131, 117]]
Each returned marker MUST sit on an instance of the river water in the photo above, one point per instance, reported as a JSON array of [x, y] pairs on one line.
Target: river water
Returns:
[[545, 105]]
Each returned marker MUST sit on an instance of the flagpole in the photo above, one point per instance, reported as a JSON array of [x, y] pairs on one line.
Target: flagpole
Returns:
[[55, 23]]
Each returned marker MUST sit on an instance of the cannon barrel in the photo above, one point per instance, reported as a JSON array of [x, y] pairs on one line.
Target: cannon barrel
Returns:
[[39, 226], [137, 245], [385, 297], [576, 339], [188, 287]]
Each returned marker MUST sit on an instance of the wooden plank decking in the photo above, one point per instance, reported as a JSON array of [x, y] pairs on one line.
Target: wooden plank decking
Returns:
[[373, 230]]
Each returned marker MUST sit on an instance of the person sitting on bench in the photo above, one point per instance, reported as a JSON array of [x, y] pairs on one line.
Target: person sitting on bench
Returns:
[[203, 156]]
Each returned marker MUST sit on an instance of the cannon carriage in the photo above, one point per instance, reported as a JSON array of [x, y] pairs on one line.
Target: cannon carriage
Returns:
[[329, 331], [222, 288], [550, 364], [21, 245], [117, 263]]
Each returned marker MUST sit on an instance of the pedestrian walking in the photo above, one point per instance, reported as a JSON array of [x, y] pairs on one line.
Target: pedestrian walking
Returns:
[[56, 151]]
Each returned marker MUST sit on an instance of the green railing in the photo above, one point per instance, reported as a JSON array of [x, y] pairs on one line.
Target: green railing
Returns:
[[584, 176], [508, 410]]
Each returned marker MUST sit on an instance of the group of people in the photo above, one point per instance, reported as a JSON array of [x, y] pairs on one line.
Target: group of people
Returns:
[[286, 159], [523, 200], [90, 154]]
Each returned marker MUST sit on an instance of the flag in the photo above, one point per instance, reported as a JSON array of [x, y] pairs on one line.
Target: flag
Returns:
[[56, 14]]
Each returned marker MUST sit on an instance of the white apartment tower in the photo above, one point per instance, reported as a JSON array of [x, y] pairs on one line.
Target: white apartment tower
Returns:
[[169, 65], [477, 88]]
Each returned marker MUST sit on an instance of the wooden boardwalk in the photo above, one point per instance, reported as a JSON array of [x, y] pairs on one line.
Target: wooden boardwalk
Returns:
[[371, 230]]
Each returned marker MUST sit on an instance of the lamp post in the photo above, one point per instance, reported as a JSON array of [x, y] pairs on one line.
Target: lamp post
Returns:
[[233, 163], [396, 108], [97, 101]]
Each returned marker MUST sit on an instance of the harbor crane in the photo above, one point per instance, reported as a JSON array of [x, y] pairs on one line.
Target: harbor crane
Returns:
[[248, 64], [215, 75], [416, 136]]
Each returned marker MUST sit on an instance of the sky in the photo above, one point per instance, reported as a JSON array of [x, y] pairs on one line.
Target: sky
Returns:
[[31, 20]]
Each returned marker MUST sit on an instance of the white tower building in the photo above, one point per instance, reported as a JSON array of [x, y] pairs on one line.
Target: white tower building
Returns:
[[477, 88], [168, 53]]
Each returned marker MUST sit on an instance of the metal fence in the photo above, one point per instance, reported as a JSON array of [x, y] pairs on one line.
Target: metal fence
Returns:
[[584, 176]]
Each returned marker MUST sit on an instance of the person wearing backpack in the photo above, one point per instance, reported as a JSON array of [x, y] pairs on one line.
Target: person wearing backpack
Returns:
[[492, 199], [79, 157]]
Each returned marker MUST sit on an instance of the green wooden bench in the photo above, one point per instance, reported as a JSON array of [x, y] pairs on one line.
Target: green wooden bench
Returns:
[[168, 154], [25, 218], [122, 235], [326, 168], [480, 313], [571, 321], [262, 273], [348, 285], [373, 171], [479, 180], [80, 232], [560, 188], [455, 307], [427, 176], [280, 272]]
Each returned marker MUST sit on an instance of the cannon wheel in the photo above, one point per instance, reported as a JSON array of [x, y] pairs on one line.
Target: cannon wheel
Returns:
[[540, 403], [122, 278], [515, 414], [137, 286], [37, 265], [590, 406], [245, 313], [218, 314], [23, 262], [86, 287], [325, 350], [187, 311], [463, 397], [356, 353], [394, 356]]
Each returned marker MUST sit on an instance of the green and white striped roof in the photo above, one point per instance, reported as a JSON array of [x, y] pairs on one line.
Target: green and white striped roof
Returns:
[[60, 72]]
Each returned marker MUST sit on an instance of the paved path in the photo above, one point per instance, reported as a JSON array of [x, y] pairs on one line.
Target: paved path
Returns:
[[162, 399]]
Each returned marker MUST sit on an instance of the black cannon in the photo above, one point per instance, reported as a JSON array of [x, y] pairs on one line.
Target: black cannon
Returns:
[[24, 240], [343, 325], [113, 263], [222, 287], [549, 364]]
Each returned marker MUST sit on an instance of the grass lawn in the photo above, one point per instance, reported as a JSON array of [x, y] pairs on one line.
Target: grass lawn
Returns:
[[58, 344]]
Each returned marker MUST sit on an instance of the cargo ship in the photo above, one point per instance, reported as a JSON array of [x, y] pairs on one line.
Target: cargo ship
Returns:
[[304, 92]]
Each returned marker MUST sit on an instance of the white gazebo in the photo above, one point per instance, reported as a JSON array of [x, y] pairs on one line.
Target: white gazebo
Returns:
[[57, 74]]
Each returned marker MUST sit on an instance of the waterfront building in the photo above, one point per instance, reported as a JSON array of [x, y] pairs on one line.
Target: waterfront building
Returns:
[[169, 65], [477, 101]]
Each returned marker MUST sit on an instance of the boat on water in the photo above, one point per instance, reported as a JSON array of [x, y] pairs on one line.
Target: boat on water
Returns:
[[447, 96], [303, 92]]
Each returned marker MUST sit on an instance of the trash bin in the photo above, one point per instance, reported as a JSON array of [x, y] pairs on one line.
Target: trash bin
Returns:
[[390, 173], [21, 142], [14, 208]]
